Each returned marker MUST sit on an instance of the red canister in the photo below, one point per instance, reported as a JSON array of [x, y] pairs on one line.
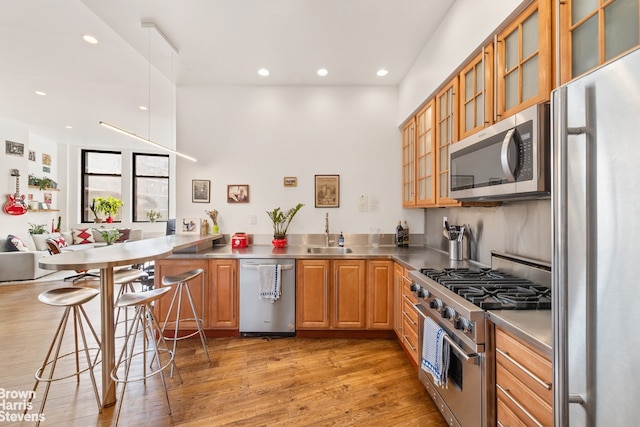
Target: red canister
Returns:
[[239, 240]]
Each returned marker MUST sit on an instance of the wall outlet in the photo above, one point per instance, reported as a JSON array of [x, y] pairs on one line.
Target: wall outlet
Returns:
[[444, 220]]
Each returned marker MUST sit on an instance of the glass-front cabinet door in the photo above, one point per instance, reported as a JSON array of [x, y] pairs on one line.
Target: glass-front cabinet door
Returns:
[[524, 60], [476, 93], [594, 32], [409, 164], [425, 159], [446, 133]]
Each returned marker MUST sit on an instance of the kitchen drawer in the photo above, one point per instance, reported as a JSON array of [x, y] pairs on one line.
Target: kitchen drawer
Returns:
[[407, 294], [506, 417], [409, 312], [410, 340], [521, 399], [530, 368]]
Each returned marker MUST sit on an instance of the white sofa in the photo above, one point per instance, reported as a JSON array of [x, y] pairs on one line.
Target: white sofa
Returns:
[[24, 265]]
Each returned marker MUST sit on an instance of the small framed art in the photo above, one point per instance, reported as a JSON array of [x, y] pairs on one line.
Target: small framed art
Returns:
[[327, 190], [290, 181], [200, 190], [238, 193]]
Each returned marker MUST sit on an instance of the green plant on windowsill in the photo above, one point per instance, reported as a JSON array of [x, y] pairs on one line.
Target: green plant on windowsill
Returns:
[[153, 215], [109, 235], [108, 205]]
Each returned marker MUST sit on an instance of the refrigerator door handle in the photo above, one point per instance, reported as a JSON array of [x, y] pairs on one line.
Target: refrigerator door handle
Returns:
[[561, 133]]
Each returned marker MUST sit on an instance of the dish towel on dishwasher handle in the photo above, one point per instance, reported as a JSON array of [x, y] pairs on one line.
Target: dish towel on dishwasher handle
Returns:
[[435, 352], [270, 277]]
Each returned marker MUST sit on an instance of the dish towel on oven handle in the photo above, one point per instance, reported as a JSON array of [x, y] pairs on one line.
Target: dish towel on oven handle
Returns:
[[269, 281], [435, 352]]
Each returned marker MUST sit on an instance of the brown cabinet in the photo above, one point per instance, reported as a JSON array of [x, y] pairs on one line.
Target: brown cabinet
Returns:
[[477, 93], [398, 272], [407, 328], [446, 125], [223, 294], [418, 159], [523, 383], [524, 66], [173, 267], [216, 301], [409, 196], [379, 294], [332, 294]]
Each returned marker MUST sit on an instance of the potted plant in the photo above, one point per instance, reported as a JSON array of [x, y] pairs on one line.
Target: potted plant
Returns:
[[281, 221], [153, 215], [94, 210], [109, 235], [109, 206], [37, 229]]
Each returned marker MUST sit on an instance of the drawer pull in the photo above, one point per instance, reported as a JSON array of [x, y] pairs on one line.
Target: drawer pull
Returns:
[[408, 343], [525, 370], [404, 313], [522, 408]]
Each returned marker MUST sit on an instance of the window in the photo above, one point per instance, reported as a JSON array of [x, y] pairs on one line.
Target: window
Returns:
[[150, 185], [101, 177]]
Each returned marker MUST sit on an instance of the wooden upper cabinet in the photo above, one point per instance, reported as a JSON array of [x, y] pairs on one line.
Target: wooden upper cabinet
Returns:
[[595, 32], [425, 157], [524, 71], [409, 164], [446, 133], [477, 93]]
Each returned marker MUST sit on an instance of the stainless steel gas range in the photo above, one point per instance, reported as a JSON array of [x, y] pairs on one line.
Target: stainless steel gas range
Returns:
[[457, 300]]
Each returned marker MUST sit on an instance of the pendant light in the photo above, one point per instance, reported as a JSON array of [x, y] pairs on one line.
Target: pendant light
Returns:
[[151, 25]]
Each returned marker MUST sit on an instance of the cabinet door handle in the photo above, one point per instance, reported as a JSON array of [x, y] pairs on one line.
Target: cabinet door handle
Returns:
[[409, 319], [404, 337], [533, 376], [233, 294], [515, 402]]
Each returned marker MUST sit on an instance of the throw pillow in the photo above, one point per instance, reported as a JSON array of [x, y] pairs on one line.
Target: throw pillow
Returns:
[[124, 235], [82, 236], [60, 242], [15, 244]]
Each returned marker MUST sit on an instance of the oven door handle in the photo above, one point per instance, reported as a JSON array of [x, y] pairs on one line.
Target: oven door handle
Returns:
[[468, 358]]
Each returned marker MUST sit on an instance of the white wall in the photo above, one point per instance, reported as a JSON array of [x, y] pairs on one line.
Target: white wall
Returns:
[[467, 24], [258, 135]]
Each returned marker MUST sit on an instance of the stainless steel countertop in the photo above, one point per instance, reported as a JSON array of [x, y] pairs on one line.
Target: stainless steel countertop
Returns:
[[533, 326]]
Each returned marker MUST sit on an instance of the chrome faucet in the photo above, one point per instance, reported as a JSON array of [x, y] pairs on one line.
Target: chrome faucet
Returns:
[[326, 229]]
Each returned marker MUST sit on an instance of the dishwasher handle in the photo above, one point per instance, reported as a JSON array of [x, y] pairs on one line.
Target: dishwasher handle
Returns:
[[251, 266]]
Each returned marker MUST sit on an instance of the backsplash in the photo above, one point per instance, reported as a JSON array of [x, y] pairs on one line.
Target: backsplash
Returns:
[[521, 228]]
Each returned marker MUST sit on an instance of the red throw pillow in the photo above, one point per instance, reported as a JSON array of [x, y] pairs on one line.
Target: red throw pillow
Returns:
[[60, 242], [124, 235], [82, 236]]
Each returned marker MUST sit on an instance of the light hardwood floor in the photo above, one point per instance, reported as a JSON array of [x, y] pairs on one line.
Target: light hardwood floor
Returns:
[[249, 382]]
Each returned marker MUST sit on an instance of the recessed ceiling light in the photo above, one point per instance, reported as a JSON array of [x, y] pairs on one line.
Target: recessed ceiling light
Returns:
[[90, 39], [322, 72], [143, 108], [263, 72], [382, 72], [41, 93], [68, 127]]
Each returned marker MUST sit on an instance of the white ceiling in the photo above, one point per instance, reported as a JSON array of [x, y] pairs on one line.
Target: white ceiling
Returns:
[[219, 42]]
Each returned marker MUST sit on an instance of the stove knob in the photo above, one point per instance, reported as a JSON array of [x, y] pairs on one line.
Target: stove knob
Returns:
[[423, 293], [448, 313], [435, 304], [462, 324], [414, 287]]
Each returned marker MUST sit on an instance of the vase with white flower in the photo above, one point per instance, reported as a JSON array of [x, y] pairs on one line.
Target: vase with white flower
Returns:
[[213, 214]]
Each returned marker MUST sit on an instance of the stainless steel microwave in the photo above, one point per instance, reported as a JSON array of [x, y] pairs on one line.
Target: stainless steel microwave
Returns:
[[506, 161]]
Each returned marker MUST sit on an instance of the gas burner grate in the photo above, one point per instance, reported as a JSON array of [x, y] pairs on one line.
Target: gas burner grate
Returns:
[[493, 289]]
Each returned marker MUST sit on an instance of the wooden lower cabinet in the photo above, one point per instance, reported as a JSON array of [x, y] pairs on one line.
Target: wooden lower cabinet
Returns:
[[410, 319], [523, 383], [216, 301], [223, 294], [173, 267], [344, 294]]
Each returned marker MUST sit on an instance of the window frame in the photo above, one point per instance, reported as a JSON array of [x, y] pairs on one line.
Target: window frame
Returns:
[[134, 180], [84, 203]]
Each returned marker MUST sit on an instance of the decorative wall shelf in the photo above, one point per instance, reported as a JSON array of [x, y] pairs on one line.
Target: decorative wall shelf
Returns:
[[46, 189]]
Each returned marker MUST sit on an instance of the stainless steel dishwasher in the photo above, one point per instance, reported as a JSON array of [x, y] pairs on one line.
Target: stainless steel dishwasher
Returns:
[[262, 317]]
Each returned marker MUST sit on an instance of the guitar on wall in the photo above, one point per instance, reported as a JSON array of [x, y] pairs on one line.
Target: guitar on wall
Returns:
[[15, 204]]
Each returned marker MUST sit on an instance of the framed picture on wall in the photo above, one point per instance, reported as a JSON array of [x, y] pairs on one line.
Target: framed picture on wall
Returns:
[[14, 148], [200, 190], [238, 193], [327, 191], [290, 181]]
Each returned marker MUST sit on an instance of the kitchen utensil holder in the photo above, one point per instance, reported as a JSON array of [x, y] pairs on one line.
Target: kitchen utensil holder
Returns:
[[455, 250]]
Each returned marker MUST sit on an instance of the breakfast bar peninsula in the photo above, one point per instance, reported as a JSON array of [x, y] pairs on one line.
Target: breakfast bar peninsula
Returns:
[[106, 258]]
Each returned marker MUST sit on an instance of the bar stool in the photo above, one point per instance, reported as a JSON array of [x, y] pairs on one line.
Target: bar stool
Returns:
[[181, 280], [72, 299], [144, 322], [126, 278]]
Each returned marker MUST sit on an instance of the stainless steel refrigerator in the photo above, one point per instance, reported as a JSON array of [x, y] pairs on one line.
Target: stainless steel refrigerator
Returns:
[[596, 246]]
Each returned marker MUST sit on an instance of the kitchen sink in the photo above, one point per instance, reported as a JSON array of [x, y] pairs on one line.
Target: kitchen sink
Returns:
[[329, 250]]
